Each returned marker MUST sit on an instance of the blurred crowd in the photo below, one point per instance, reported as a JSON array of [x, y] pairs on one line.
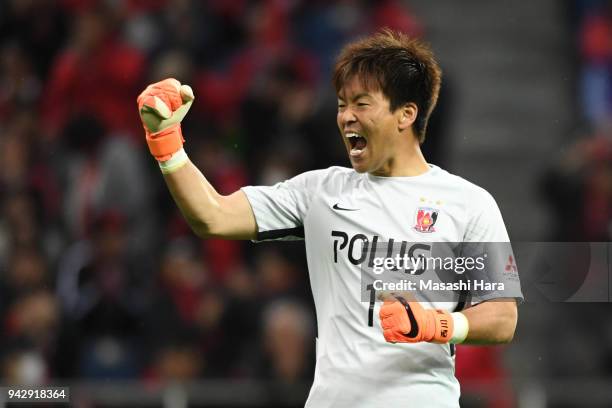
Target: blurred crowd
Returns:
[[101, 278], [578, 185]]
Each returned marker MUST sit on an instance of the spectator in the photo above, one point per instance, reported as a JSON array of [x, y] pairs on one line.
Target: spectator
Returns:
[[579, 189], [287, 334], [97, 73]]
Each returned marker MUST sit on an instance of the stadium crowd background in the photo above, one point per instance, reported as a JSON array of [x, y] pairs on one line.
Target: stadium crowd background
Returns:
[[100, 277]]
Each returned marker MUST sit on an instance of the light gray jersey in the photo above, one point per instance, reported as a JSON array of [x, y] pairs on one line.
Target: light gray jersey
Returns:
[[339, 212]]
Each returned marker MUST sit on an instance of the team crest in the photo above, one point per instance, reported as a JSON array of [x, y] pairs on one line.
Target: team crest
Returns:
[[426, 218]]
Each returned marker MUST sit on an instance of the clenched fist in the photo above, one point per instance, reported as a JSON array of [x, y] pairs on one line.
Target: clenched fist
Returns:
[[408, 322], [162, 107]]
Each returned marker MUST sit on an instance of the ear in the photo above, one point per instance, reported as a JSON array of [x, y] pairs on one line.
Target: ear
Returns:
[[407, 115]]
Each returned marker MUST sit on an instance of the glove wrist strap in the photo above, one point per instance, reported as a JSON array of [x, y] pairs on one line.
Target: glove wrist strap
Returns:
[[444, 326], [165, 143]]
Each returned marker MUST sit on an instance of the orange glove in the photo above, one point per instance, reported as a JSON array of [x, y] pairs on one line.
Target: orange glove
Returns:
[[408, 322], [162, 107]]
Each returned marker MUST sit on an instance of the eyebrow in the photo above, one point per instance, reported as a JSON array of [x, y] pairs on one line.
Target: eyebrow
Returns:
[[360, 95]]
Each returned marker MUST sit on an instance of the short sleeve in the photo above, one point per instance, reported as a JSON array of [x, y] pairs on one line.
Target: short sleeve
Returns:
[[486, 236], [280, 209], [485, 222]]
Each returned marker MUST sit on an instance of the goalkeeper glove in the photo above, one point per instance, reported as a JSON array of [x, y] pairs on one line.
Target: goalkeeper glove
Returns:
[[162, 107], [408, 322]]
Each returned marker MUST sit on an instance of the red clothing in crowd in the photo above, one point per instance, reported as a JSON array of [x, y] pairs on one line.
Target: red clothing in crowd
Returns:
[[105, 81]]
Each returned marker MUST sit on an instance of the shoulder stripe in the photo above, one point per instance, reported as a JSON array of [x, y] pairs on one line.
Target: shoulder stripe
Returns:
[[297, 232]]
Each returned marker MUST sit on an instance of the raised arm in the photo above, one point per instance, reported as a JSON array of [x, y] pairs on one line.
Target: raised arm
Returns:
[[209, 213], [162, 107]]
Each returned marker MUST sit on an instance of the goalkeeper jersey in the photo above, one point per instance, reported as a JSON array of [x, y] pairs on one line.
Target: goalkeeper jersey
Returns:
[[342, 215]]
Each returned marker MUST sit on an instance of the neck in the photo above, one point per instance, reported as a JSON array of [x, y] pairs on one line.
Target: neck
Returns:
[[408, 161]]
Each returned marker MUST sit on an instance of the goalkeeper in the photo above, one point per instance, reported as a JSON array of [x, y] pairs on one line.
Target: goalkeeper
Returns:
[[400, 353]]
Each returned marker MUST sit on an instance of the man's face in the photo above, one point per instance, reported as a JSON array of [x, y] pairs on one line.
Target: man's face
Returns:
[[369, 129]]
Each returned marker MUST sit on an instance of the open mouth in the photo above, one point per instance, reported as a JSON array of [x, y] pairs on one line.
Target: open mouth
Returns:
[[357, 142]]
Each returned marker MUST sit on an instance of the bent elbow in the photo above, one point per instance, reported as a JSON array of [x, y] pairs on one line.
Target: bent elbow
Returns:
[[202, 233], [207, 231], [199, 228], [507, 337], [502, 335]]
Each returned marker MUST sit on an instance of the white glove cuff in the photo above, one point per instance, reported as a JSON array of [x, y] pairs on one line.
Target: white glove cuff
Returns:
[[178, 160], [461, 328]]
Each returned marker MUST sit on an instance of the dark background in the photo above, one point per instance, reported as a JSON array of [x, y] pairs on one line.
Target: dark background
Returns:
[[104, 288]]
